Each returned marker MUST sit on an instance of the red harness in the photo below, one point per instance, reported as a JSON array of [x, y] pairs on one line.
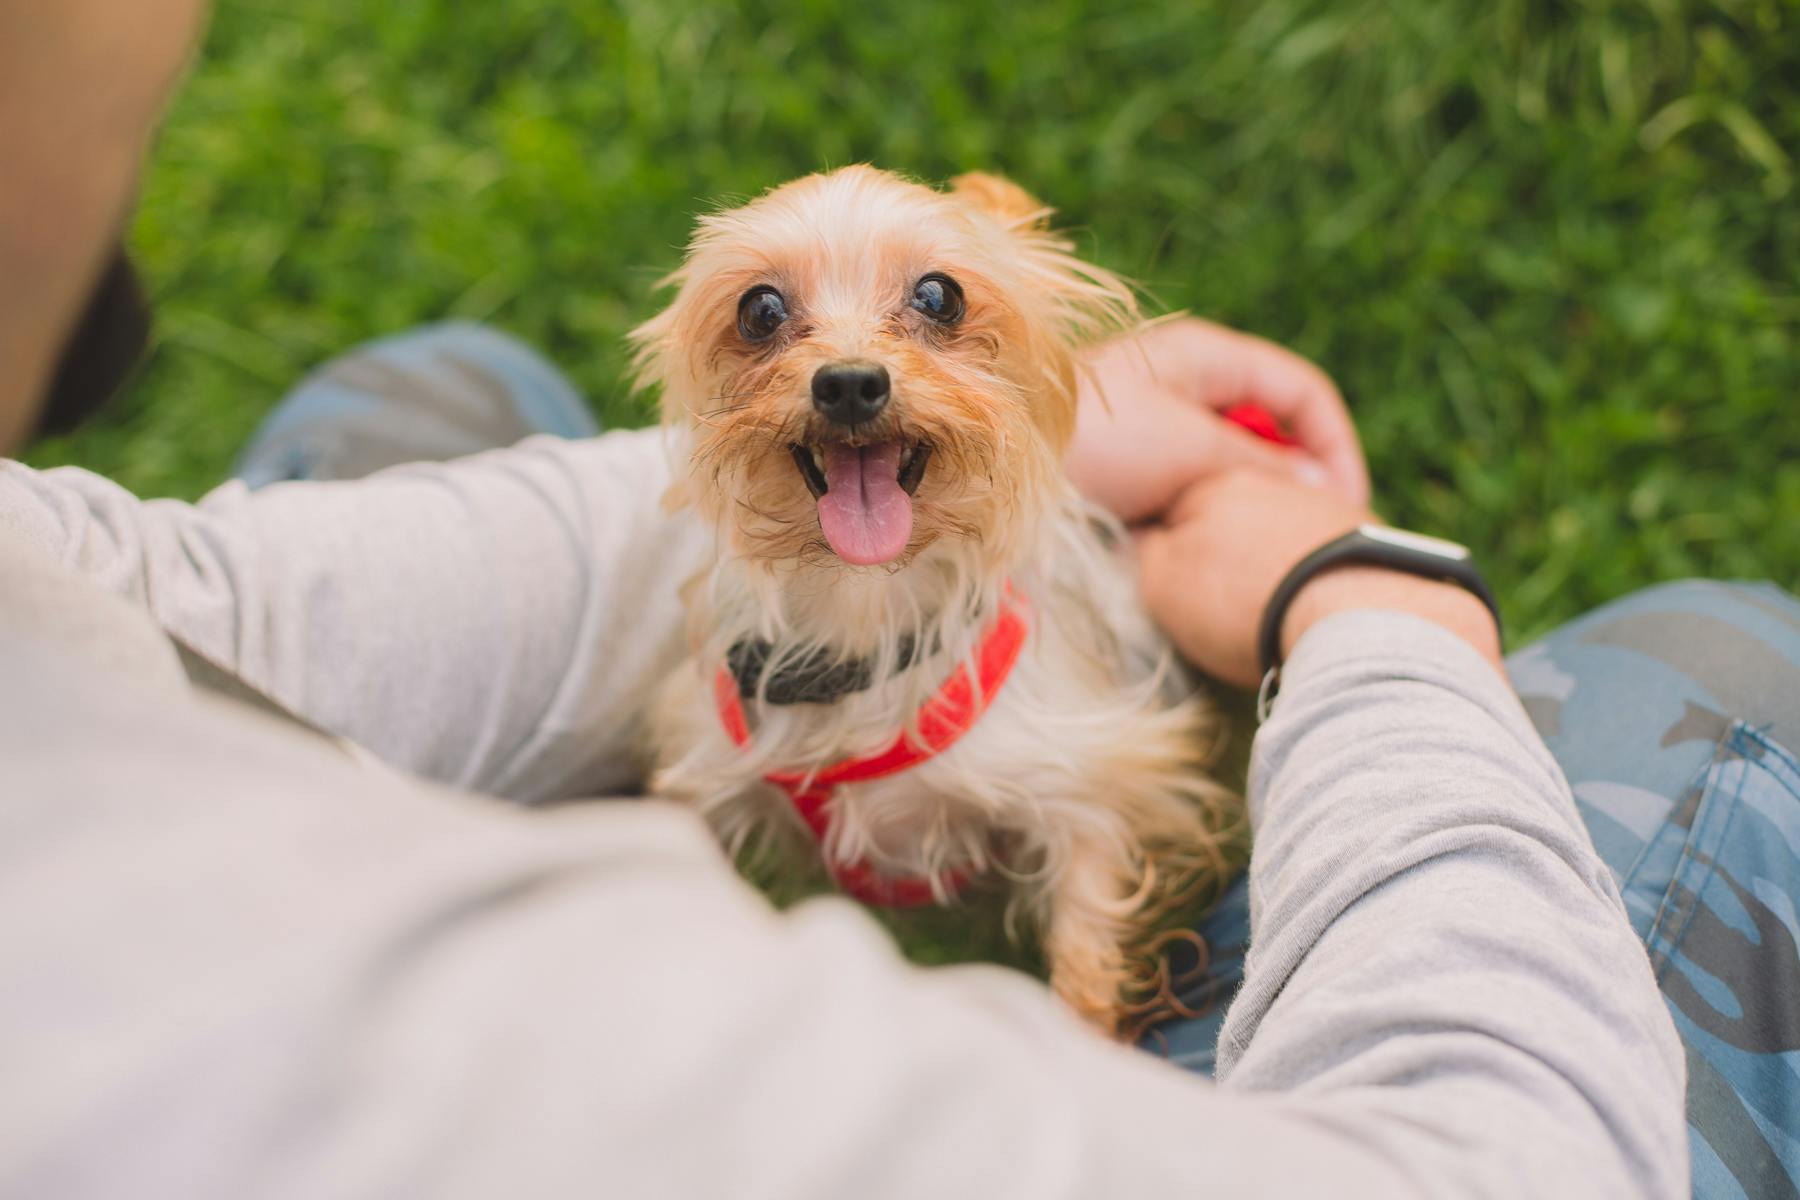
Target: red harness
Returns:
[[942, 720]]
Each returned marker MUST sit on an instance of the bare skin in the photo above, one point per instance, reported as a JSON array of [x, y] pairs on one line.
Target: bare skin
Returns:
[[82, 83], [1228, 540], [1148, 422]]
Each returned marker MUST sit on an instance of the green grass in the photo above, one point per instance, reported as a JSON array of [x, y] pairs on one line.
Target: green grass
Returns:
[[1550, 251]]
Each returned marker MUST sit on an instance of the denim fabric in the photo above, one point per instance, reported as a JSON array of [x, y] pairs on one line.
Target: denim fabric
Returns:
[[430, 395]]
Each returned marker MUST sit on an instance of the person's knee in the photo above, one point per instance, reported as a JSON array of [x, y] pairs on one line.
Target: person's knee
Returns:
[[510, 387], [456, 340], [1707, 595], [432, 393], [1737, 642]]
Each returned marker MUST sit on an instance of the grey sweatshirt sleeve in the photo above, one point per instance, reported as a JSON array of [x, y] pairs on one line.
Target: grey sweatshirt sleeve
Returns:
[[1441, 967], [238, 966], [492, 622]]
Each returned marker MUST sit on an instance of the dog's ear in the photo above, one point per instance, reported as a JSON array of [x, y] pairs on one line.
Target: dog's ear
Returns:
[[1002, 199], [1075, 302], [1085, 301]]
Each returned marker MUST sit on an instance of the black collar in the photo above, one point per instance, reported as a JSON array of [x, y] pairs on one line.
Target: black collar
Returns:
[[817, 678]]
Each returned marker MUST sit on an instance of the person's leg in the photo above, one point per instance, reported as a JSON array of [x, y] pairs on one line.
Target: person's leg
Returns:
[[1192, 1042], [428, 395], [1675, 714]]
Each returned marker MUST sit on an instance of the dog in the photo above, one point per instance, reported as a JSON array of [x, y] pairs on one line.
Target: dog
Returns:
[[919, 654]]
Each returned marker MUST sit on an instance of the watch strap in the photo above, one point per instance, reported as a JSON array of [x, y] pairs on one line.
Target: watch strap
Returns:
[[1368, 546]]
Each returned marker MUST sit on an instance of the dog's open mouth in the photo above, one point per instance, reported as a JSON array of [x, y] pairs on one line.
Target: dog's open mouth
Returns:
[[864, 494]]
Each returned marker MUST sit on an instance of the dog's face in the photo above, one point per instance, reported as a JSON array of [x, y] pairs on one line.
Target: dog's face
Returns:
[[871, 368]]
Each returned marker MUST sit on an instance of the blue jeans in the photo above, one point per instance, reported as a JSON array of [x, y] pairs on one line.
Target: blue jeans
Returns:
[[1674, 713], [434, 394]]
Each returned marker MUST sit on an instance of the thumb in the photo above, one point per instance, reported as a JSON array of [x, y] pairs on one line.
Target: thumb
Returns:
[[1236, 447]]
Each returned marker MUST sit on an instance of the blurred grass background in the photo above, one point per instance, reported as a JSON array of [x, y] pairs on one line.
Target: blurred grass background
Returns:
[[1551, 251]]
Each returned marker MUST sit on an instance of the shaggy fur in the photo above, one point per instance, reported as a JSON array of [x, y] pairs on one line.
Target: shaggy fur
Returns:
[[1085, 781]]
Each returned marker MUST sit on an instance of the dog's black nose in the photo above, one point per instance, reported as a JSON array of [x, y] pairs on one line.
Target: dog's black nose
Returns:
[[850, 393]]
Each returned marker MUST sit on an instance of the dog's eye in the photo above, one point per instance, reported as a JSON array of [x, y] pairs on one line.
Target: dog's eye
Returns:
[[760, 313], [940, 298]]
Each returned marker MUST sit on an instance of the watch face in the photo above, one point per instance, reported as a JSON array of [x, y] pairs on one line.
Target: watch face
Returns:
[[1418, 542]]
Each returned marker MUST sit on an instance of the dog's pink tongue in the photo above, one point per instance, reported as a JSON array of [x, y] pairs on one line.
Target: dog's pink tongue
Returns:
[[865, 513]]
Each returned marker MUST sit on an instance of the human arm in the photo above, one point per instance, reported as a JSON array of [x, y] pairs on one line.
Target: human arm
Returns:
[[452, 619], [1433, 930], [493, 622], [284, 976], [1415, 841]]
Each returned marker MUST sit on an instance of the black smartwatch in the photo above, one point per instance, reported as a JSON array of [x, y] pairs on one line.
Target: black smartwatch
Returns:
[[1364, 546]]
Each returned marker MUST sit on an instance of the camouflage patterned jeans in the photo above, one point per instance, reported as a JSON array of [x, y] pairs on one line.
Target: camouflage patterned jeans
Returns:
[[1674, 712]]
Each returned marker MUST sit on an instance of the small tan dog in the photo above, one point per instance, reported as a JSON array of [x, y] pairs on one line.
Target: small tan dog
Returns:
[[919, 652]]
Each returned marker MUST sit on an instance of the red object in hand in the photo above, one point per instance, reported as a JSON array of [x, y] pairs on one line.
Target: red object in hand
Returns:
[[1260, 422]]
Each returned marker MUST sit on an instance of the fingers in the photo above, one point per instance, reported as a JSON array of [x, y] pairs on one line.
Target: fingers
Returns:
[[1218, 367], [1132, 460], [1235, 447], [1304, 399]]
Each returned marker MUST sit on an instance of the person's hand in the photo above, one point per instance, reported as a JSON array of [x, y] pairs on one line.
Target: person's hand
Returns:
[[1147, 425], [1209, 570]]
